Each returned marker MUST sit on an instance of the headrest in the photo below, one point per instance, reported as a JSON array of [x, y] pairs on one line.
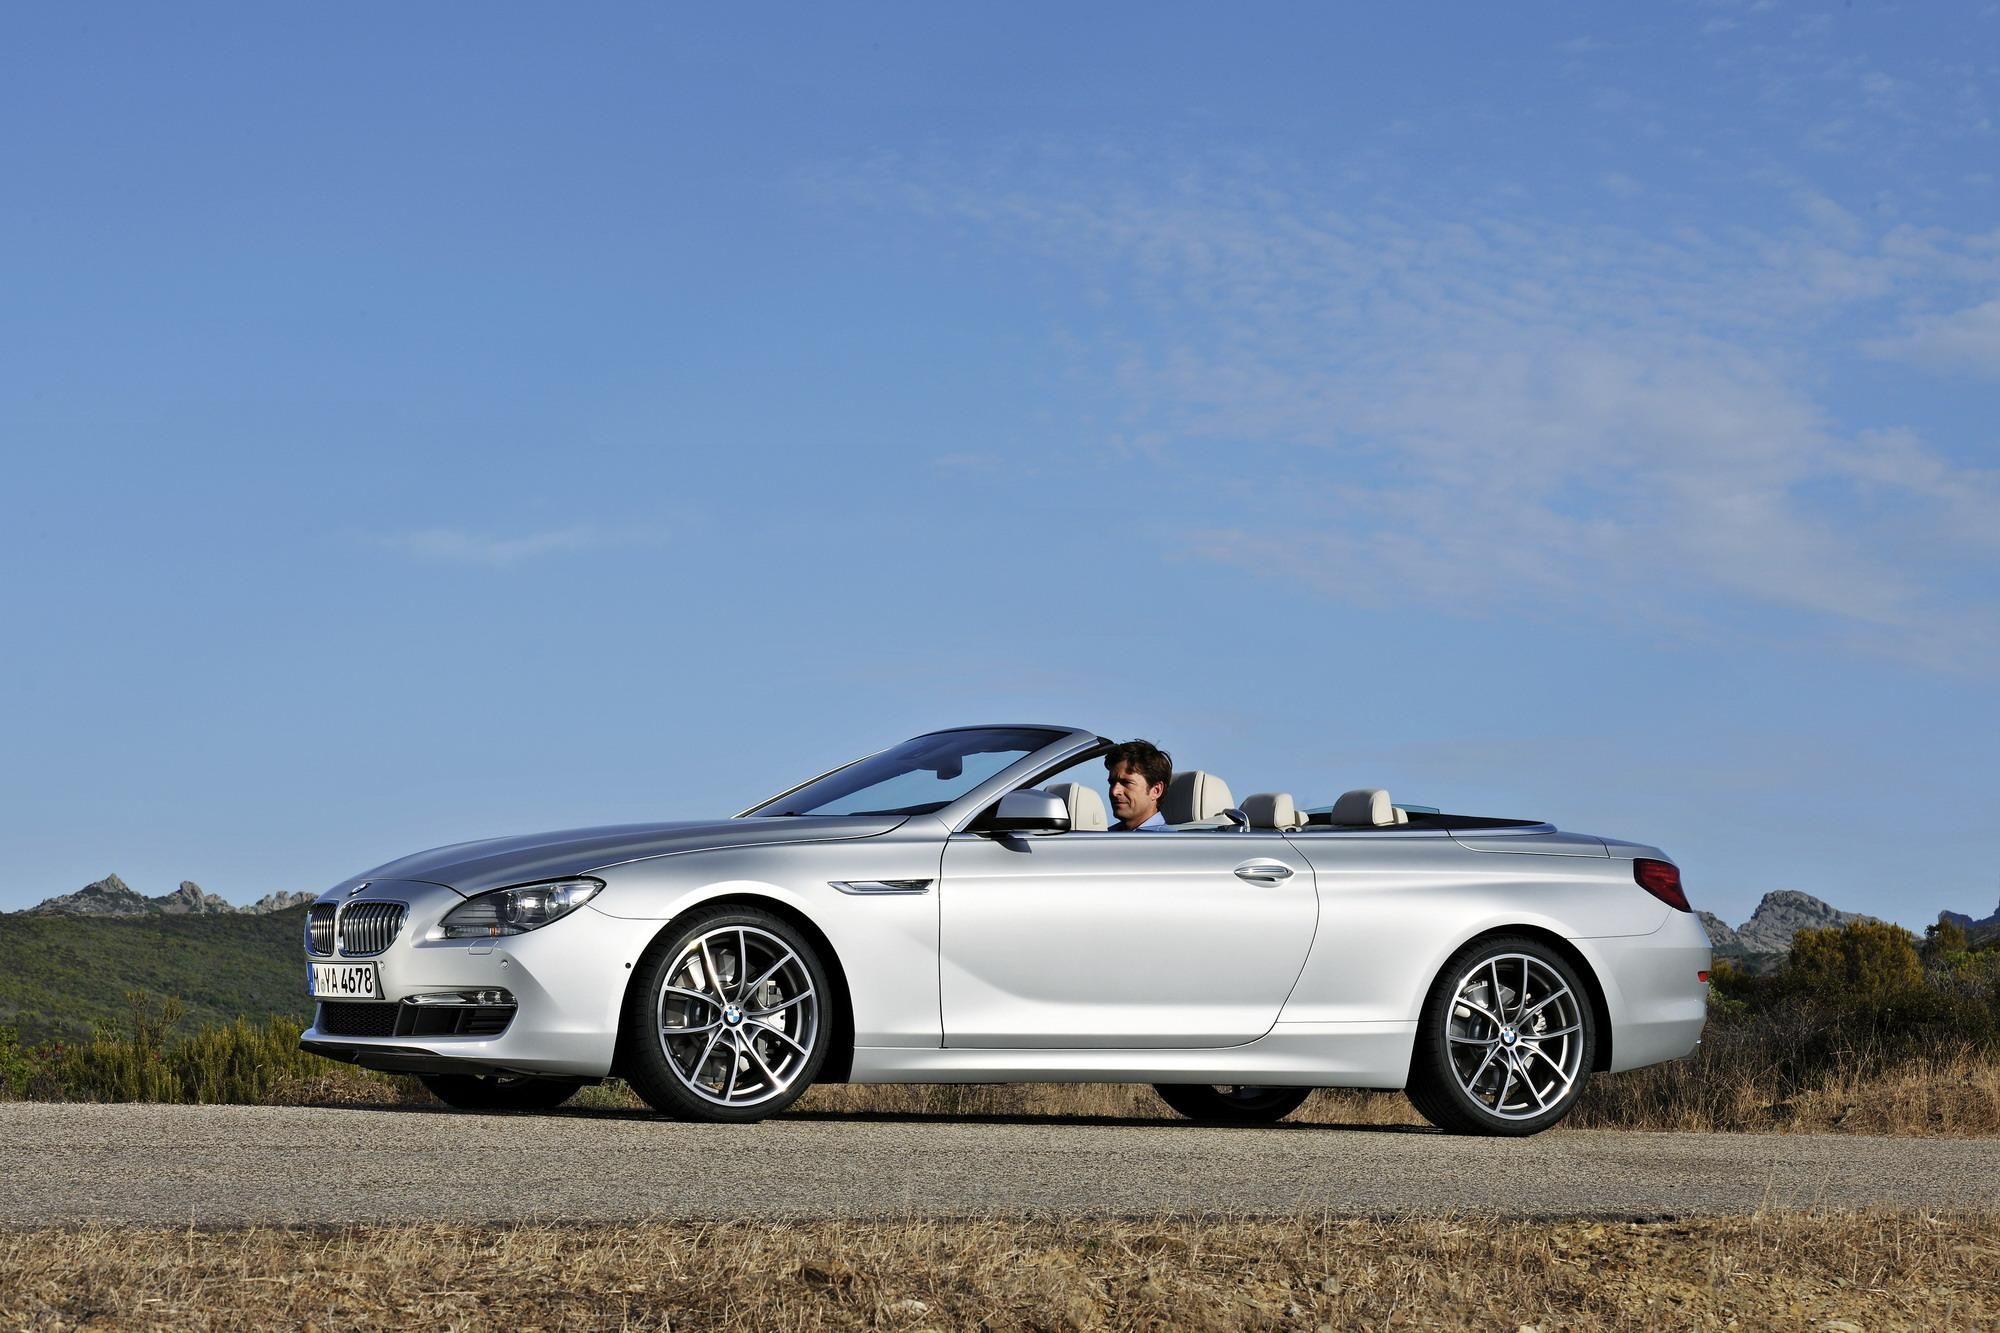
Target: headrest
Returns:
[[1272, 809], [1195, 797], [1086, 807], [1363, 807]]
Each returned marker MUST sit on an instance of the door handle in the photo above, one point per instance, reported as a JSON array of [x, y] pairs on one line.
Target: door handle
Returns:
[[1263, 872]]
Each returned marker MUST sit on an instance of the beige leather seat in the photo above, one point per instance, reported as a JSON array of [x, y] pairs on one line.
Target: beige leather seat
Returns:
[[1195, 797], [1366, 807], [1086, 807], [1273, 809]]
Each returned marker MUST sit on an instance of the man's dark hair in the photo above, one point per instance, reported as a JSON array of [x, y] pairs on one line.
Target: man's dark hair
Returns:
[[1149, 759]]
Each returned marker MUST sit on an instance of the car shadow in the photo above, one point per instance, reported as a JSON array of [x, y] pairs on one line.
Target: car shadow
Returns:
[[641, 1115], [1129, 1122]]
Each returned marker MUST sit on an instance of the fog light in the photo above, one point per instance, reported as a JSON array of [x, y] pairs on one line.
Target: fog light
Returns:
[[1702, 977]]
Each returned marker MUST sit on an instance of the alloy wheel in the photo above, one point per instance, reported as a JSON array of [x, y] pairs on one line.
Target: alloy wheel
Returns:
[[1516, 1036], [737, 1016]]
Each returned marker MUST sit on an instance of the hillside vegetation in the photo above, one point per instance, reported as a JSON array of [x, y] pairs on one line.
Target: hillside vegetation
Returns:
[[60, 976]]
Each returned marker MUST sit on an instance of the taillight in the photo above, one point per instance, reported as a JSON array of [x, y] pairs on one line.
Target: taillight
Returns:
[[1662, 879]]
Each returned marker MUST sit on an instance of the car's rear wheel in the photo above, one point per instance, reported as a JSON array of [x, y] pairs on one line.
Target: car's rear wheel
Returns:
[[471, 1092], [727, 1017], [1232, 1104], [1506, 1040]]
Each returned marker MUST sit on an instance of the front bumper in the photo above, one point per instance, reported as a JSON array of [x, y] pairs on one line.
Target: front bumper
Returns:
[[567, 982]]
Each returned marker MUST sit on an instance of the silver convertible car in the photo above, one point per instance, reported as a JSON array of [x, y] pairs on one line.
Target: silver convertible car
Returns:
[[955, 910]]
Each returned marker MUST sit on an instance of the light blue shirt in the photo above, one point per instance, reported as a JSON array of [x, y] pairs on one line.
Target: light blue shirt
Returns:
[[1157, 824]]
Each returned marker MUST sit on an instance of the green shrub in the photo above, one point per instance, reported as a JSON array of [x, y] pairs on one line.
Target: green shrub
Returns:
[[1862, 962], [1944, 937], [17, 1064]]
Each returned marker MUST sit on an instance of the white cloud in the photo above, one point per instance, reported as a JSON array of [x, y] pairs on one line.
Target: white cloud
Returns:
[[1486, 404], [457, 547], [1965, 341]]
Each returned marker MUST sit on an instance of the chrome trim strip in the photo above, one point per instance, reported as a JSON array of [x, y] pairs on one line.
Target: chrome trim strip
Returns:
[[871, 887]]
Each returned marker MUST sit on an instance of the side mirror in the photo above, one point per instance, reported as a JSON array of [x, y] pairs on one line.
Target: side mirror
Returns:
[[1030, 812]]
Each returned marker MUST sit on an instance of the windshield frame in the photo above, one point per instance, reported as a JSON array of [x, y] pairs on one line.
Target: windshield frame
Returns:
[[1063, 742]]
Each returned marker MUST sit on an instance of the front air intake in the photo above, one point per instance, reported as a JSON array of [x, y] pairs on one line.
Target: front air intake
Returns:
[[358, 1020], [349, 1018]]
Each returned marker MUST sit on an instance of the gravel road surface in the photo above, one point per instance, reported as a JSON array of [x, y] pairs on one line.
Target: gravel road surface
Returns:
[[226, 1165]]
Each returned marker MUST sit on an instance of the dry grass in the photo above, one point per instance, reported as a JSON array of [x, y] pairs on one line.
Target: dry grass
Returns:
[[1782, 1270], [1953, 1093]]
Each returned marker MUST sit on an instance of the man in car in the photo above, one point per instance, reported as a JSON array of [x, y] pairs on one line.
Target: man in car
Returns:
[[1140, 771]]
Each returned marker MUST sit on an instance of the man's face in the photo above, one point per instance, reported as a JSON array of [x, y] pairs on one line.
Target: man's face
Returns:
[[1133, 799]]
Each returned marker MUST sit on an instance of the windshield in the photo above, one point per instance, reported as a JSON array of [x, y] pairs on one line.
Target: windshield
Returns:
[[916, 777]]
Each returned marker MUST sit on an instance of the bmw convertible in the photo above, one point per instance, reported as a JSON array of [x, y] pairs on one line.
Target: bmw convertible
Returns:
[[957, 909]]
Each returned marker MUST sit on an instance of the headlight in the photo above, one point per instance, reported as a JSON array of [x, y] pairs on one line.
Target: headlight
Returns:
[[512, 911]]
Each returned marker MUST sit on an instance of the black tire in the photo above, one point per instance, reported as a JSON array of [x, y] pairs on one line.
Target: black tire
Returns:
[[780, 1050], [1472, 1075], [1232, 1104], [471, 1092]]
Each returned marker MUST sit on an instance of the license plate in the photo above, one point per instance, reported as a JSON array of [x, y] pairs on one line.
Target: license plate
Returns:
[[342, 981]]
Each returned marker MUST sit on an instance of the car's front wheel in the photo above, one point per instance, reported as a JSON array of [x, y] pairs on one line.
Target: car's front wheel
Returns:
[[1506, 1040], [727, 1016], [471, 1092], [1232, 1104]]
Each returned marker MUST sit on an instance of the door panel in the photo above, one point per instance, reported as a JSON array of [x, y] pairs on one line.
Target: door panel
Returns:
[[1120, 939]]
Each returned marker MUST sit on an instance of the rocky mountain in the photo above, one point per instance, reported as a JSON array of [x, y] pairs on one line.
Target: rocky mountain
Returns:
[[1971, 923], [1782, 914], [1721, 934], [112, 896]]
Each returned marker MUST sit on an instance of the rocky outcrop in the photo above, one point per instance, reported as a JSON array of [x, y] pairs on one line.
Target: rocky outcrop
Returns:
[[112, 896], [278, 902], [1783, 914], [190, 900], [1721, 935]]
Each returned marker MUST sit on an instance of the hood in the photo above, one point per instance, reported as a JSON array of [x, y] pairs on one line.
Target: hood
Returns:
[[474, 867]]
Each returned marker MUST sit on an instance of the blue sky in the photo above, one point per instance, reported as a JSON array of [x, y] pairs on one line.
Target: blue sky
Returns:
[[425, 424]]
